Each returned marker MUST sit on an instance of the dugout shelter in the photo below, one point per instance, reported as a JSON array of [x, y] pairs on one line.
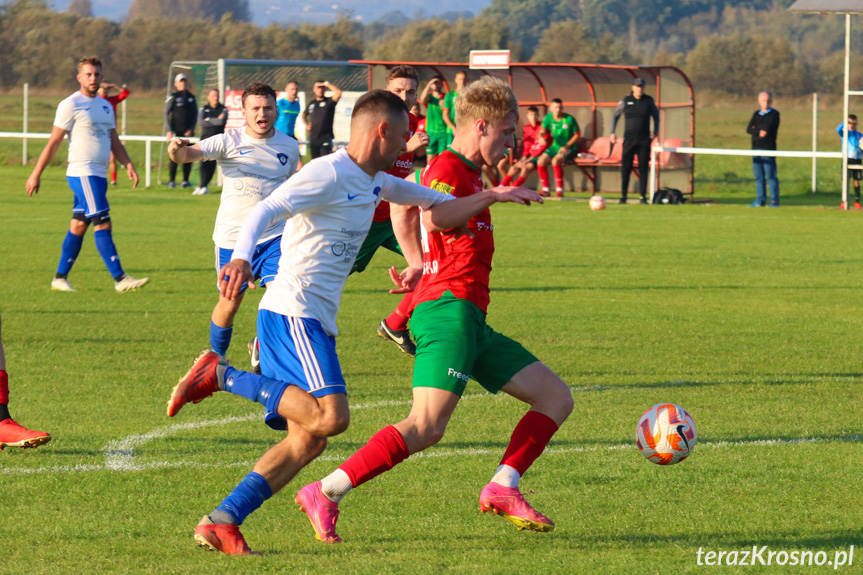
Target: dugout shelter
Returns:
[[590, 93]]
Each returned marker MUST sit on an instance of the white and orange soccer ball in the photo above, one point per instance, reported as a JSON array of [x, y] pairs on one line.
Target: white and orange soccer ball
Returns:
[[597, 202], [665, 434]]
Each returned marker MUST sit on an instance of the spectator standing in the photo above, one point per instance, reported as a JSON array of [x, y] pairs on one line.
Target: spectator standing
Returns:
[[104, 91], [181, 115], [763, 127], [319, 117], [289, 110], [433, 96], [448, 105], [855, 156], [212, 117], [637, 108]]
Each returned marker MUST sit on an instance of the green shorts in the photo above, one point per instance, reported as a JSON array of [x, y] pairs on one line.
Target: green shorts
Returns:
[[381, 235], [437, 143], [454, 343], [552, 151]]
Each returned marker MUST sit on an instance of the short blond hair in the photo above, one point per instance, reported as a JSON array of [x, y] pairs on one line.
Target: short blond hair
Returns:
[[488, 98], [91, 60]]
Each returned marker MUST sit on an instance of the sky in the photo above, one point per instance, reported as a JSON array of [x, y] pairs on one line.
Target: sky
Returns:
[[265, 12]]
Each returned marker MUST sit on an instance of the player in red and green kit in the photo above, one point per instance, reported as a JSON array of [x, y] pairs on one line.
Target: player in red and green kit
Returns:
[[433, 96], [532, 149], [564, 132], [448, 105], [454, 342]]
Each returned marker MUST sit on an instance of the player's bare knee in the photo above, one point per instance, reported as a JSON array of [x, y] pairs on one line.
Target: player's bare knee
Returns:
[[332, 423]]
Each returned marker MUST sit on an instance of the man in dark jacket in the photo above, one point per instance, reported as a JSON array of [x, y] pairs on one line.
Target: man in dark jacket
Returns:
[[181, 116], [763, 128], [638, 108]]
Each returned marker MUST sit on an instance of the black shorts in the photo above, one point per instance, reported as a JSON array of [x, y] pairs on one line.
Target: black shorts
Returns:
[[855, 173]]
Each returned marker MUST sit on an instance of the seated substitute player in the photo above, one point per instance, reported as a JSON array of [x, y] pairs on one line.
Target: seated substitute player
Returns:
[[328, 206], [255, 160], [533, 147], [564, 132], [89, 121], [855, 156], [12, 434], [454, 342], [402, 81]]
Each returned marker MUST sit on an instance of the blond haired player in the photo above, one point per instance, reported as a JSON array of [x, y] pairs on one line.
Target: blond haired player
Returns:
[[454, 342]]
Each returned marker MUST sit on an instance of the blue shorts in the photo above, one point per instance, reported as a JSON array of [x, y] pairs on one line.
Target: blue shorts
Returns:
[[297, 351], [265, 261], [91, 195]]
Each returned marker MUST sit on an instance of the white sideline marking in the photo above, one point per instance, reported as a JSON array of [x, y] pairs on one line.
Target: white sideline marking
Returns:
[[120, 454]]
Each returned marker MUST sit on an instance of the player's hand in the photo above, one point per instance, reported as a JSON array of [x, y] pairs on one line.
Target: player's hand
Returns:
[[232, 275], [762, 133], [133, 175], [513, 195], [418, 140], [455, 234], [33, 183], [176, 144], [405, 281], [189, 133]]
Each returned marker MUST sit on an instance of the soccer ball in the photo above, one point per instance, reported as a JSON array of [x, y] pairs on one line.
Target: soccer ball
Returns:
[[665, 434], [597, 202]]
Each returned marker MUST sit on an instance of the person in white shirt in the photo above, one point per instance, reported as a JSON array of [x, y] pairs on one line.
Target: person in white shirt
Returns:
[[255, 160], [328, 209], [89, 121]]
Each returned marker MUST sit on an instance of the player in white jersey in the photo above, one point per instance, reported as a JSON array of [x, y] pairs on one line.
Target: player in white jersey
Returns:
[[328, 207], [255, 160], [89, 121]]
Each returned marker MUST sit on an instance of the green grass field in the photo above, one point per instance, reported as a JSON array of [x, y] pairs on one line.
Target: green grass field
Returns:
[[751, 319]]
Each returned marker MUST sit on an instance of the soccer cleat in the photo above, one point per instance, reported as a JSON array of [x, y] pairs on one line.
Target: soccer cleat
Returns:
[[401, 338], [857, 205], [196, 191], [204, 191], [642, 200], [223, 538], [185, 184], [544, 193], [14, 435], [509, 502], [756, 205], [128, 283], [322, 512], [199, 383], [558, 194], [255, 353], [61, 284], [622, 201], [171, 185]]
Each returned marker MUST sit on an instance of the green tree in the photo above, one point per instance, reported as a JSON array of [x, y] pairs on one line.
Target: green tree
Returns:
[[570, 41], [212, 10]]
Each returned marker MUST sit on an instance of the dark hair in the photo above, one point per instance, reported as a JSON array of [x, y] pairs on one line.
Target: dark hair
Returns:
[[852, 117], [91, 60], [378, 103], [320, 81], [533, 109], [258, 89], [435, 78], [403, 71], [557, 101]]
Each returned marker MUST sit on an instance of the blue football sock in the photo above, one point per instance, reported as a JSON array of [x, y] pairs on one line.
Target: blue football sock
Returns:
[[250, 494], [251, 386], [220, 338], [108, 251], [71, 248]]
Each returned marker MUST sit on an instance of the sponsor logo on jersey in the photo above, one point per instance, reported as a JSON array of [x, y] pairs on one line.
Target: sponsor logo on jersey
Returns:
[[339, 249], [243, 153], [107, 111], [406, 164], [377, 191], [352, 196], [429, 267], [442, 187], [282, 158], [462, 376]]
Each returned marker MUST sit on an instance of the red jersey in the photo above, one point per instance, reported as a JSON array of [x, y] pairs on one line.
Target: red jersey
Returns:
[[533, 144], [400, 169], [114, 100], [463, 267]]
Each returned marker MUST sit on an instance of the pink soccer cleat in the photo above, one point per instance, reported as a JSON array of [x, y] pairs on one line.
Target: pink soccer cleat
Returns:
[[199, 383], [223, 538], [322, 512], [509, 502], [14, 435]]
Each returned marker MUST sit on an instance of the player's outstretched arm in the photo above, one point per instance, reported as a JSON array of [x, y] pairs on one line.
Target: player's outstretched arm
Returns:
[[182, 153], [48, 153], [458, 212]]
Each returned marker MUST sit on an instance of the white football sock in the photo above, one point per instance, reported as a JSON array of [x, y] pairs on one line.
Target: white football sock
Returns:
[[336, 485], [506, 476]]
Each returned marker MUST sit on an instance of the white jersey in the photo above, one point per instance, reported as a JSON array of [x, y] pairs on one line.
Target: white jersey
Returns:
[[251, 168], [89, 122], [328, 206]]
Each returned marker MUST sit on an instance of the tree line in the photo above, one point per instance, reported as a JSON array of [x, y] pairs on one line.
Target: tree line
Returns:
[[732, 46]]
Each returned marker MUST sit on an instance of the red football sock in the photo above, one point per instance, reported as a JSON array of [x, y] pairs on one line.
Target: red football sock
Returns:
[[114, 177], [519, 181], [543, 176], [384, 450], [558, 176], [4, 387], [529, 439], [507, 180], [398, 320]]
